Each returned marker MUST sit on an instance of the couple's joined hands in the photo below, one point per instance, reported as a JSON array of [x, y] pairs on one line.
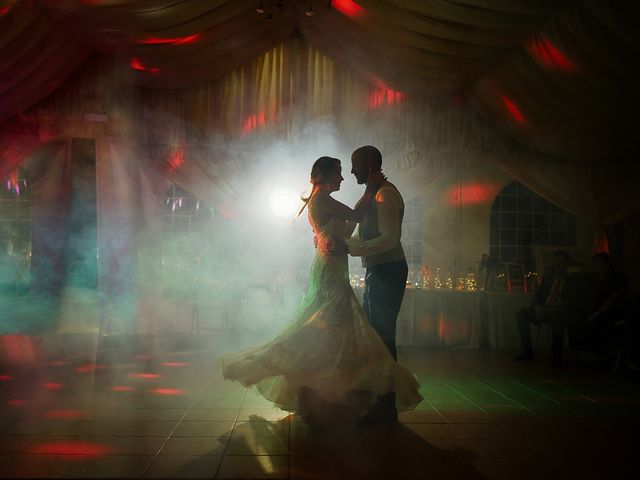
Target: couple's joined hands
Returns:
[[330, 246]]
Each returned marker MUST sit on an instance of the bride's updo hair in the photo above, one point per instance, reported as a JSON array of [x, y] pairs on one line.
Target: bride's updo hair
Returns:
[[322, 169]]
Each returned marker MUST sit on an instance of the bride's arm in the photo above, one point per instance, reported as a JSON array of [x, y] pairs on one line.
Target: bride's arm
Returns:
[[343, 212], [351, 226]]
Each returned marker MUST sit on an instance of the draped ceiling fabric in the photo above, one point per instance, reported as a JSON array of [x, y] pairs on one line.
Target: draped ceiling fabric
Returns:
[[558, 75]]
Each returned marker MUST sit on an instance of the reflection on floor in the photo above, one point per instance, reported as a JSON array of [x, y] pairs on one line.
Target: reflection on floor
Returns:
[[81, 406]]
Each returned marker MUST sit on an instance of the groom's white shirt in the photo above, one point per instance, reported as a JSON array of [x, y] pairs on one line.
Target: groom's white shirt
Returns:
[[389, 204]]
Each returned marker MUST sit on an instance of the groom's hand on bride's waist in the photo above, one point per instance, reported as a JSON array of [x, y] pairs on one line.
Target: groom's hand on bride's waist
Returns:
[[330, 246]]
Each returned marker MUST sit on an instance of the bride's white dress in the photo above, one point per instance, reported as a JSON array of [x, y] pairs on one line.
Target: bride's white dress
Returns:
[[329, 364]]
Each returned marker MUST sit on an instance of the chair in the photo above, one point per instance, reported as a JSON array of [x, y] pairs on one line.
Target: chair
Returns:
[[516, 281], [548, 335]]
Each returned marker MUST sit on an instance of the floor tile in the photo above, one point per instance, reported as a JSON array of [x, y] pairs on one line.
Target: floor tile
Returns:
[[195, 446], [184, 466], [211, 415], [262, 466], [203, 429]]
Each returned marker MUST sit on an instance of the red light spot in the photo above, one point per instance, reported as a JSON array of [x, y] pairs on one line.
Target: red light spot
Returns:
[[4, 10], [136, 64], [167, 391], [176, 160], [458, 100], [64, 414], [142, 357], [254, 121], [547, 54], [171, 41], [383, 96], [471, 193], [57, 363], [19, 349], [348, 8], [121, 388], [513, 109], [175, 364], [144, 375], [4, 378], [601, 242], [68, 448], [89, 367], [16, 402], [52, 386]]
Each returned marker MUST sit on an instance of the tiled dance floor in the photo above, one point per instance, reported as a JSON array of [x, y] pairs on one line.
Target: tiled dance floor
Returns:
[[150, 408]]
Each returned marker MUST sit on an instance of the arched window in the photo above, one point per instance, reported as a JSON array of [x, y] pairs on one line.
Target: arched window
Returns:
[[521, 219], [15, 230]]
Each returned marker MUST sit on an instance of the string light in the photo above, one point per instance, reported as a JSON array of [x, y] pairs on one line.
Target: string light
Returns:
[[448, 283], [437, 282], [471, 281]]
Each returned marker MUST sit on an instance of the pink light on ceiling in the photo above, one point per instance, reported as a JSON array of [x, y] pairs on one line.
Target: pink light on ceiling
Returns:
[[380, 97], [348, 8], [5, 378], [52, 385], [513, 109], [549, 55], [16, 402], [176, 160], [70, 448], [150, 40], [254, 121], [5, 9], [136, 64], [471, 193], [175, 364]]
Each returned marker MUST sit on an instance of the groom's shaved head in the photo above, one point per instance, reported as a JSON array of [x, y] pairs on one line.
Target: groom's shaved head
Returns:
[[364, 161], [369, 154]]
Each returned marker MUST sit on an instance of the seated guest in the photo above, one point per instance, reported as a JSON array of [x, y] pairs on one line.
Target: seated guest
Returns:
[[554, 303], [607, 303]]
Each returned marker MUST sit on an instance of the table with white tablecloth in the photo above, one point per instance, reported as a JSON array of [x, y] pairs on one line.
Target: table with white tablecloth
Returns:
[[450, 318]]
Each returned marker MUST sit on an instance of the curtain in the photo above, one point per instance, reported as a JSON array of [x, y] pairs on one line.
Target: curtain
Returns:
[[14, 150], [118, 207], [50, 197]]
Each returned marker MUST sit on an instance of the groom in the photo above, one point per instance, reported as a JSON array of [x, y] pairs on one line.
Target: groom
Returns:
[[378, 243]]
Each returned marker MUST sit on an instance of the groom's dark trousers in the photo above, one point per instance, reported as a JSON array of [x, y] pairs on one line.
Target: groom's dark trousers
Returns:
[[384, 286]]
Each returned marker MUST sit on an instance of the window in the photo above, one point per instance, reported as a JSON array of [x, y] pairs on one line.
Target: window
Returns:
[[412, 231], [521, 219], [15, 230], [187, 223]]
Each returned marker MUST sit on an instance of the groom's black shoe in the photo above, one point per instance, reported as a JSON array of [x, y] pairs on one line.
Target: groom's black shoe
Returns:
[[377, 417]]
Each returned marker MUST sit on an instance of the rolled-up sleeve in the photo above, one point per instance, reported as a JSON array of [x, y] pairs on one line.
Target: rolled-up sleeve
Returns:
[[389, 204]]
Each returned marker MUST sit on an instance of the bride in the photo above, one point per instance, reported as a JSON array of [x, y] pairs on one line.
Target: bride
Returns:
[[328, 365]]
